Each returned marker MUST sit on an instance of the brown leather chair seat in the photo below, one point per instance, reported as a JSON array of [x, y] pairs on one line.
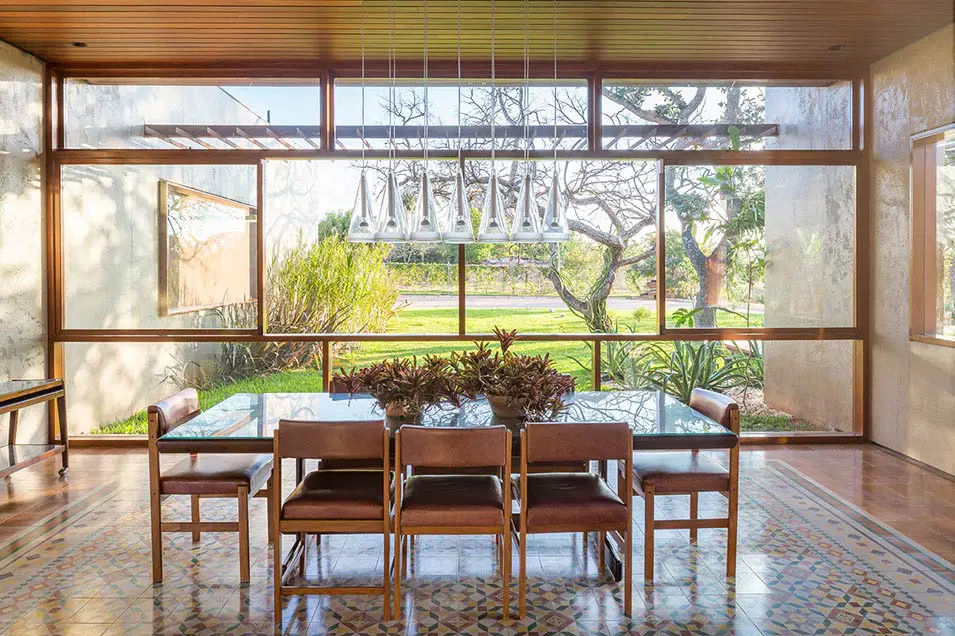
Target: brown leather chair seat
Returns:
[[214, 474], [571, 498], [452, 500], [333, 494], [679, 472]]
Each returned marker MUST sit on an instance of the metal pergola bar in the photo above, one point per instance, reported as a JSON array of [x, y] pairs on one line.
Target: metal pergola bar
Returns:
[[201, 132]]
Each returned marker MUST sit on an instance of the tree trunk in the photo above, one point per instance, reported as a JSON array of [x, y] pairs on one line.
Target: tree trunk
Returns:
[[592, 308]]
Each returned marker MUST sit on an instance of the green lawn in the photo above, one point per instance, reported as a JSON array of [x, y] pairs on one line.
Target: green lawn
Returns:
[[565, 355]]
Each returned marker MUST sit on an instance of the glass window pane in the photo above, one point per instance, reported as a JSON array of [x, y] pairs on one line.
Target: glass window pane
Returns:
[[149, 372], [780, 386], [535, 106], [201, 114], [760, 246], [726, 115], [603, 279], [159, 247], [945, 235], [317, 282]]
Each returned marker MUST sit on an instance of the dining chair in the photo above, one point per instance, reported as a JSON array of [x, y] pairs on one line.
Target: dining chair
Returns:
[[210, 475], [575, 501], [445, 503], [688, 473], [331, 501]]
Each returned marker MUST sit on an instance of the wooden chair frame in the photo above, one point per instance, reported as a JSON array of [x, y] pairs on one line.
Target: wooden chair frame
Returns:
[[624, 485], [403, 533], [694, 523], [301, 528], [195, 525]]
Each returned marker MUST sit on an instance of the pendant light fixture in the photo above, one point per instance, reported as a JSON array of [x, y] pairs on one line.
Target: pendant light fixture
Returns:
[[459, 228], [392, 221], [555, 229], [362, 228], [424, 220], [493, 227], [526, 224]]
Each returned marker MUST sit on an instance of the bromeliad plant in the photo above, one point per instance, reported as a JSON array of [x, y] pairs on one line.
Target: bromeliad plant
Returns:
[[515, 385], [403, 387]]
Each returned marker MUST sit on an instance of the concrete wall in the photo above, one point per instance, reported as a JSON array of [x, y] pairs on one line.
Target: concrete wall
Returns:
[[913, 384], [810, 234], [22, 270], [111, 243]]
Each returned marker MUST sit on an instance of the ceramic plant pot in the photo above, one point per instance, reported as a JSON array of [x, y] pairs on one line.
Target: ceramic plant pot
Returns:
[[504, 407]]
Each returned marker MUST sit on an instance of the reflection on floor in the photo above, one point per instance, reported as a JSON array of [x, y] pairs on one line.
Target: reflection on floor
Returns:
[[74, 558]]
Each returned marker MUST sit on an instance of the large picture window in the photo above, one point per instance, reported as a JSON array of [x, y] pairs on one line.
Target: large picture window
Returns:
[[712, 232], [933, 237]]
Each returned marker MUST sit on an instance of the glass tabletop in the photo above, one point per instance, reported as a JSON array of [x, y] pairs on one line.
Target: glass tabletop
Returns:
[[10, 389], [253, 416]]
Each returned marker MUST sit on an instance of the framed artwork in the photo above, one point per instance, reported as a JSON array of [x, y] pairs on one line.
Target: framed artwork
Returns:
[[207, 250]]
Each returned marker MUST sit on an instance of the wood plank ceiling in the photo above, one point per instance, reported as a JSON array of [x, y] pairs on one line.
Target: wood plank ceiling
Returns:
[[618, 33]]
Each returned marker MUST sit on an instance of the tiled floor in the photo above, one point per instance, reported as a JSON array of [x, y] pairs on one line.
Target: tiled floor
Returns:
[[74, 558]]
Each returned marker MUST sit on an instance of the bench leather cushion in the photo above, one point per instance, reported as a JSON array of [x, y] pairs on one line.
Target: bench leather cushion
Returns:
[[576, 499], [337, 495], [679, 472], [217, 474], [452, 500]]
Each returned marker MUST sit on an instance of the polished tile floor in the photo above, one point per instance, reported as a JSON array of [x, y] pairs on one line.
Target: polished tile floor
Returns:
[[833, 540]]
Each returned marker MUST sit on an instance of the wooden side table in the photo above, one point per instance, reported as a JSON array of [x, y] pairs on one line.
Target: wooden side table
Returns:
[[17, 394]]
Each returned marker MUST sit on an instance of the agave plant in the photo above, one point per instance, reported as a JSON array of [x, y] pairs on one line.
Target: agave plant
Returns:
[[683, 366]]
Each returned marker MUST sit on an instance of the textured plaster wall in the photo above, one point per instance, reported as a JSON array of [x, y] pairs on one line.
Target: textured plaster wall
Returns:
[[913, 384], [810, 218], [111, 243], [22, 309]]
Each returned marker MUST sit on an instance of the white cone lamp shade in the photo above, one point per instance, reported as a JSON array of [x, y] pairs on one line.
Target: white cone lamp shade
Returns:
[[493, 227], [459, 228], [362, 228], [526, 227], [555, 229], [392, 221], [424, 221]]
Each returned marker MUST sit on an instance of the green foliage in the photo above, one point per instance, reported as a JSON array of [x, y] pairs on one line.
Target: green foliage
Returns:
[[404, 384], [681, 279], [682, 366], [335, 224], [326, 286]]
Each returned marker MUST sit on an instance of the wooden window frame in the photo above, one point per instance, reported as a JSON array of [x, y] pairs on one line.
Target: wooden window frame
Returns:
[[57, 155], [165, 186], [923, 305]]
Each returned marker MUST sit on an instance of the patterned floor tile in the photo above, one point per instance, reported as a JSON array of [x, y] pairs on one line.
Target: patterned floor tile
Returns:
[[809, 564]]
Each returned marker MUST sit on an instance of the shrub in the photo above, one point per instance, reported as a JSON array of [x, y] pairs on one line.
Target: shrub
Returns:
[[326, 286]]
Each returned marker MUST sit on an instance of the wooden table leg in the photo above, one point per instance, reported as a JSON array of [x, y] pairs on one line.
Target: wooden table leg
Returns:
[[12, 432], [64, 435]]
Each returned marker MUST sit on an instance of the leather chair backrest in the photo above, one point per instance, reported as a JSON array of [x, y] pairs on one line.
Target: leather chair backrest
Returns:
[[175, 410], [717, 407], [577, 441], [449, 447], [331, 440]]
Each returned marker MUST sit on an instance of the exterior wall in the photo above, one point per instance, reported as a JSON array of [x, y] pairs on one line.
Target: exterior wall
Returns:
[[22, 270], [913, 384], [810, 219], [111, 243]]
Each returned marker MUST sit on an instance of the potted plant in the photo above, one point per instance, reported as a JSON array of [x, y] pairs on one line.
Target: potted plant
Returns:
[[515, 385], [402, 387]]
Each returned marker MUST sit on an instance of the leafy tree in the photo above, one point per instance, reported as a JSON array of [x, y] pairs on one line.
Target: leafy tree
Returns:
[[610, 204]]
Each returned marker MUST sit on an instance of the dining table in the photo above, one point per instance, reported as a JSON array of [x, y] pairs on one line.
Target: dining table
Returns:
[[245, 423]]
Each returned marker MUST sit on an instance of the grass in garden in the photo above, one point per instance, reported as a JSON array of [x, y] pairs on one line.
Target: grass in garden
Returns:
[[564, 354]]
